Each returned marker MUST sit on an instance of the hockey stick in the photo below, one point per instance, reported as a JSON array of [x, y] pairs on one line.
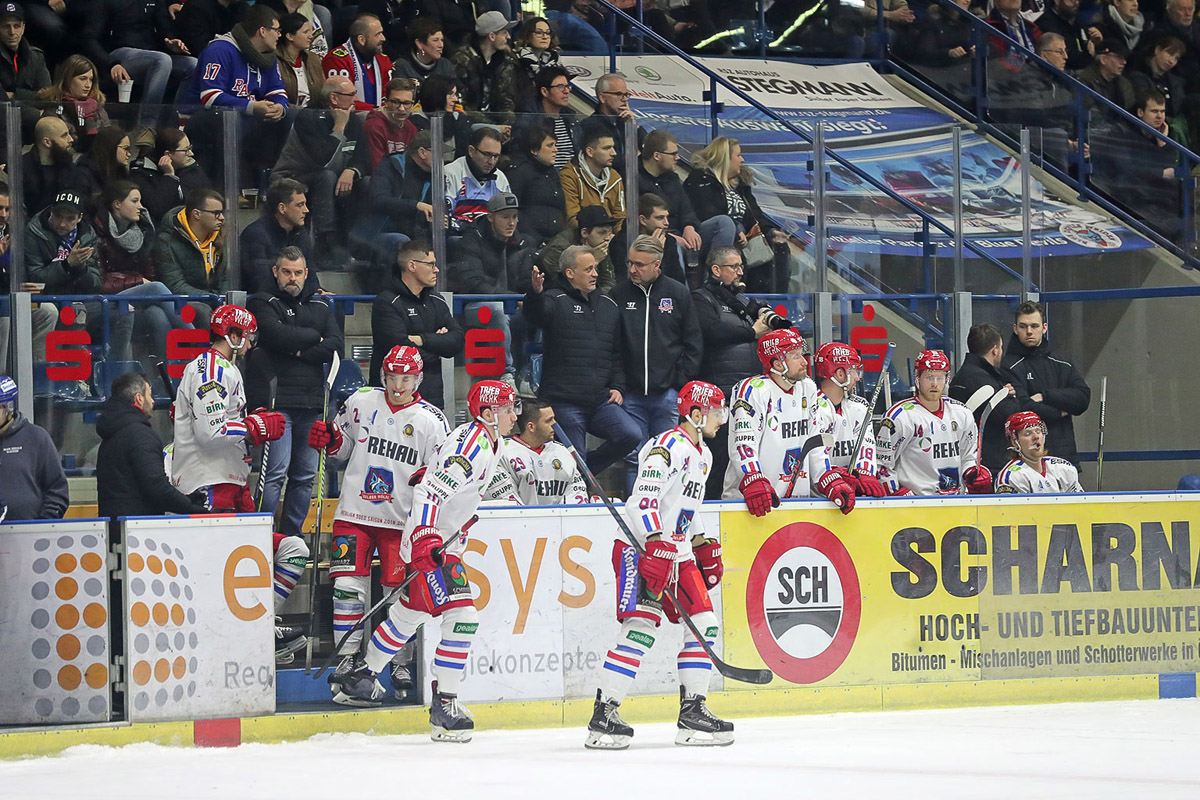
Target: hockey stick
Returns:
[[981, 396], [883, 378], [998, 396], [165, 374], [315, 547], [272, 385], [743, 674], [1100, 441], [437, 551], [810, 444]]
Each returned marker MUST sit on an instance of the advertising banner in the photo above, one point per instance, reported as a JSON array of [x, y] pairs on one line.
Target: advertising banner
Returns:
[[954, 590], [54, 644], [199, 617]]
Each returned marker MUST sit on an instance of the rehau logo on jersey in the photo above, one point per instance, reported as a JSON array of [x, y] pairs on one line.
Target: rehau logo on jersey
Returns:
[[377, 488], [803, 602]]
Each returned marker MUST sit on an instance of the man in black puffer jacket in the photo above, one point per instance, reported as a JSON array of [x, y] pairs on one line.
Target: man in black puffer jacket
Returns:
[[297, 338], [982, 367], [130, 479], [582, 333]]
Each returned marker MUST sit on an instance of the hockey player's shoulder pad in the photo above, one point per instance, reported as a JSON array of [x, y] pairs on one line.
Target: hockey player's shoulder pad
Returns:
[[435, 412], [340, 52], [950, 401], [907, 404], [856, 400], [1006, 488], [1056, 460], [662, 446], [368, 389]]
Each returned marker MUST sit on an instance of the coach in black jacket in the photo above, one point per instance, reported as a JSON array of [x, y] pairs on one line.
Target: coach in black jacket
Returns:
[[582, 337], [297, 337], [1056, 390], [410, 311], [982, 367]]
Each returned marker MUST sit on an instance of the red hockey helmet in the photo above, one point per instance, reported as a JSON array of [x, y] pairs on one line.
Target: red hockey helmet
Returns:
[[701, 395], [404, 360], [1022, 420], [931, 359], [229, 318], [832, 356], [777, 344], [491, 394]]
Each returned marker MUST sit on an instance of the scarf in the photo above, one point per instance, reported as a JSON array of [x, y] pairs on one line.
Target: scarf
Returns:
[[66, 243], [360, 84], [597, 182], [534, 62], [1130, 31], [207, 248], [260, 61], [130, 239]]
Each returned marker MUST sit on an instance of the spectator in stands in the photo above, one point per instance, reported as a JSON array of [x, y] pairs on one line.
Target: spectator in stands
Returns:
[[188, 249], [60, 249], [48, 27], [572, 19], [612, 112], [1180, 21], [552, 109], [327, 151], [1154, 68], [1056, 389], [401, 202], [76, 89], [132, 40], [168, 174], [319, 16], [592, 179], [582, 331], [654, 220], [110, 156], [656, 173], [423, 59], [298, 336], [1122, 20], [281, 225], [23, 70], [487, 72], [299, 66], [44, 315], [896, 14], [32, 482], [661, 341], [534, 181], [130, 478], [389, 129], [361, 60], [719, 184], [1062, 17], [473, 179], [981, 367], [1140, 168], [1104, 74], [493, 257], [124, 246], [595, 232], [536, 49], [1006, 17], [942, 39], [439, 94], [411, 311], [49, 167], [199, 22]]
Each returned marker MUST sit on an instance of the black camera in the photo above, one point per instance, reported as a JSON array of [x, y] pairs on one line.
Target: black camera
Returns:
[[749, 310]]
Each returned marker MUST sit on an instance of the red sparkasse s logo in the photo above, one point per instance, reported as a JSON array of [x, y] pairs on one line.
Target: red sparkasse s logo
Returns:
[[70, 350], [485, 348], [803, 602]]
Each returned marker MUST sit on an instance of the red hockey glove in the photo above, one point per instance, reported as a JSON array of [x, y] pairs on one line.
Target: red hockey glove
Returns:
[[264, 426], [867, 485], [903, 490], [759, 493], [325, 436], [415, 478], [978, 480], [656, 565], [708, 559], [833, 484], [425, 539]]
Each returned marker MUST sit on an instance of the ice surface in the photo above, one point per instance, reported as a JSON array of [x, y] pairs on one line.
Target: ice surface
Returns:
[[1142, 750]]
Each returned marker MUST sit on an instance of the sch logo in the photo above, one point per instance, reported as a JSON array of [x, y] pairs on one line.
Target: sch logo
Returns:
[[71, 351], [485, 348]]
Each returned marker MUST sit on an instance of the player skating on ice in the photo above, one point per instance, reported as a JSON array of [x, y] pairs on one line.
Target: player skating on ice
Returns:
[[669, 492], [843, 413], [534, 469], [443, 508], [1032, 471], [211, 452], [928, 443], [385, 435]]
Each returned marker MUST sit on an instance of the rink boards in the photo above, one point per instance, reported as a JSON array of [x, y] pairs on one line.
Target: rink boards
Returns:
[[904, 603]]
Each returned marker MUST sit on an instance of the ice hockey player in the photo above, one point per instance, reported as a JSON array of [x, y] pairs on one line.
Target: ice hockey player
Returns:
[[443, 509], [772, 417], [927, 443], [210, 455], [843, 413], [535, 470], [668, 493], [1032, 471], [385, 435]]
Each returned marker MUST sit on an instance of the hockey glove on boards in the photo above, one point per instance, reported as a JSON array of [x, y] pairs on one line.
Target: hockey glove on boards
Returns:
[[834, 485], [759, 493], [656, 565], [867, 485], [978, 480], [425, 539], [708, 559], [416, 476], [325, 435], [264, 426]]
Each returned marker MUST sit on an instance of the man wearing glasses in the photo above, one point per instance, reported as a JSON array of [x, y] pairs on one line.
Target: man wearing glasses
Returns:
[[472, 180], [188, 251], [553, 109], [612, 110], [389, 129]]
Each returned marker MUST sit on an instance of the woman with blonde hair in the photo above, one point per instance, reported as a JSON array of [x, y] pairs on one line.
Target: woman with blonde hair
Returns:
[[75, 87]]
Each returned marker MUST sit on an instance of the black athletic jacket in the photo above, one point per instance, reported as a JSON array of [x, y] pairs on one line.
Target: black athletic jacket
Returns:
[[661, 342], [1061, 386]]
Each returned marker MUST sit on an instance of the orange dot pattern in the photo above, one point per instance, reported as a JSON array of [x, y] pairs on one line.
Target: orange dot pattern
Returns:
[[147, 611]]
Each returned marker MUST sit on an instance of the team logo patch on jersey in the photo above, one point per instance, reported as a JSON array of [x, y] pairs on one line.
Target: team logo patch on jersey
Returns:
[[683, 525], [888, 425], [742, 405], [408, 429], [954, 426], [665, 305], [377, 488], [463, 463], [556, 464], [341, 546], [211, 386], [659, 450]]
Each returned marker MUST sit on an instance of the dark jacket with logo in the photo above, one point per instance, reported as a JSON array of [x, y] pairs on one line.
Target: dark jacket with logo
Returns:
[[730, 343], [582, 341], [31, 477], [130, 479], [974, 373], [395, 314], [1061, 386], [24, 72], [661, 343], [297, 337]]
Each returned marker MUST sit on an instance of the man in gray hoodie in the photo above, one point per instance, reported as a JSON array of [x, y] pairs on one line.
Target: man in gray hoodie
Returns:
[[32, 482]]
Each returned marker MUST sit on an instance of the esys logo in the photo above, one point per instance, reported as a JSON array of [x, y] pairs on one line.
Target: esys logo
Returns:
[[803, 603], [485, 347]]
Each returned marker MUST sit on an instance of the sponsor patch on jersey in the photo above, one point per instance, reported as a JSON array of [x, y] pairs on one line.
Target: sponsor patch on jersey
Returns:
[[378, 485], [211, 386], [665, 305], [887, 425], [463, 463], [341, 546], [1005, 488], [659, 450], [340, 52], [556, 464], [742, 405], [408, 429]]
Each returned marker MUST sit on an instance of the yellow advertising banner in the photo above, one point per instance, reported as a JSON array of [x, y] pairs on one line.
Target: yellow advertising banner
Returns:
[[950, 589]]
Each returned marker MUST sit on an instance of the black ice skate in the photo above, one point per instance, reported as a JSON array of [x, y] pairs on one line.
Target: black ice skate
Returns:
[[403, 682], [699, 727], [353, 683], [287, 642], [607, 731], [451, 721]]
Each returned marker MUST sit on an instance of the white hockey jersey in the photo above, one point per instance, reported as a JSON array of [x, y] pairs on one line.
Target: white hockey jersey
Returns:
[[768, 428], [926, 452], [385, 446], [1056, 476], [453, 486], [844, 422], [669, 490], [210, 436], [544, 477]]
